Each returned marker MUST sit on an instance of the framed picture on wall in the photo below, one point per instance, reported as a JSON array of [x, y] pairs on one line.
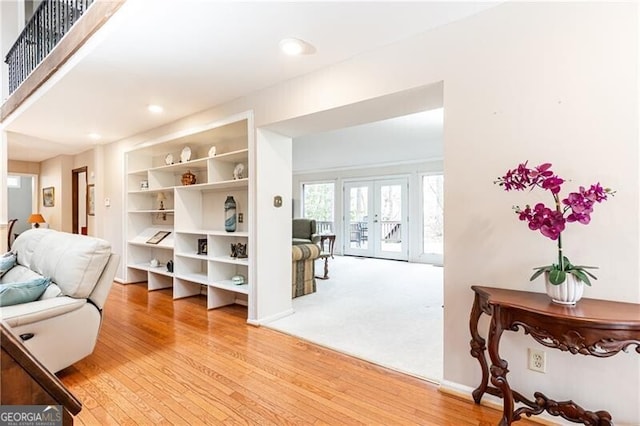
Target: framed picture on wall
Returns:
[[48, 196], [91, 199]]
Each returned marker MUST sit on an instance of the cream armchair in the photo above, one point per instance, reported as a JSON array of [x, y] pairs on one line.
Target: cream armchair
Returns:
[[62, 325]]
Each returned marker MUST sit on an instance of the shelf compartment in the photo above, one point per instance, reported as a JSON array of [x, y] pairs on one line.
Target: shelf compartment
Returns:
[[215, 186], [144, 236], [230, 260], [184, 288], [230, 286], [194, 277], [192, 256], [205, 210]]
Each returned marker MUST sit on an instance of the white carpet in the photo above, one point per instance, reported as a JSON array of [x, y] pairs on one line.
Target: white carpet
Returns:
[[383, 311]]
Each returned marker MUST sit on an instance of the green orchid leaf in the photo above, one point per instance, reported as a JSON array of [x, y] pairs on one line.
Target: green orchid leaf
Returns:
[[544, 268], [584, 267], [581, 276], [557, 277], [589, 273], [536, 274], [567, 263]]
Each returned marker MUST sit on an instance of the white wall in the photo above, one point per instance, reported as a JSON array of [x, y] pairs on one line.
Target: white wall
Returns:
[[412, 137], [539, 81]]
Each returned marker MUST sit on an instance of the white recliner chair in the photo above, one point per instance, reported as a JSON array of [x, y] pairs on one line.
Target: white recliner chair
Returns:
[[61, 327]]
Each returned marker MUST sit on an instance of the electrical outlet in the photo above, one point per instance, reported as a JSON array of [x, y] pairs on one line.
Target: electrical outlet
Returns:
[[240, 217], [537, 360]]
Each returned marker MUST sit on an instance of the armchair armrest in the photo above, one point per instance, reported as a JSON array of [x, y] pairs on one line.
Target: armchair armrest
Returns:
[[315, 238], [27, 313], [305, 251]]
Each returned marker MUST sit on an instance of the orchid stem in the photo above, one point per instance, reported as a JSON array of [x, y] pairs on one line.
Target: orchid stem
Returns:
[[560, 256]]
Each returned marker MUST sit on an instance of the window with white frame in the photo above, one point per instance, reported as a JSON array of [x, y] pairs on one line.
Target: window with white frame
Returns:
[[433, 213], [13, 181], [318, 201]]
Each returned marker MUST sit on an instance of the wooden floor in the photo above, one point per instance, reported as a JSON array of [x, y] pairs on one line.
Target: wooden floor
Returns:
[[160, 361]]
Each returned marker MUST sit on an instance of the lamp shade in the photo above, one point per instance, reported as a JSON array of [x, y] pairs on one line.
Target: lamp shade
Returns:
[[36, 218]]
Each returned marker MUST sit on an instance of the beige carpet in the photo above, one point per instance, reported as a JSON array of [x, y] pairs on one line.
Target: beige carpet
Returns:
[[383, 311]]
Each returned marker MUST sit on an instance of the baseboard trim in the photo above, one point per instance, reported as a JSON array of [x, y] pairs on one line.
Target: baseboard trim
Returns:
[[275, 317], [464, 392]]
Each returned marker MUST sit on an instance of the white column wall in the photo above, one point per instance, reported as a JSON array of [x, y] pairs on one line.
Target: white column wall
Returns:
[[273, 226], [523, 81]]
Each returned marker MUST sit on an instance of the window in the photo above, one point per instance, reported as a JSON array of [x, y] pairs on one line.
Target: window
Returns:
[[433, 211], [13, 182], [318, 203]]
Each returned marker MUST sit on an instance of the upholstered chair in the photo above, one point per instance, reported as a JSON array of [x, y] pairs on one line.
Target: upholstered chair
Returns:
[[304, 231], [303, 280]]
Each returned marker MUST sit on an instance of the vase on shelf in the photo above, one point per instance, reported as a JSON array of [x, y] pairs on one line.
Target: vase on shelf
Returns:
[[230, 214], [566, 293], [188, 178]]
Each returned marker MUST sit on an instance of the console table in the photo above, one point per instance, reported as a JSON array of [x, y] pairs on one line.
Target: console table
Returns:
[[592, 327]]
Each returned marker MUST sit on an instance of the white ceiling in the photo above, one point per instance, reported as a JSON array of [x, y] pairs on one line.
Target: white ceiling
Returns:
[[190, 55]]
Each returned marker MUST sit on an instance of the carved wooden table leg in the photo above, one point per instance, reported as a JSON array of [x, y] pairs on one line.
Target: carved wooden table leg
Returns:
[[478, 349], [325, 256], [499, 366]]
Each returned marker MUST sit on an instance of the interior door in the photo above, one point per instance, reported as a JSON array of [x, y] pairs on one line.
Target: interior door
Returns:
[[358, 213], [376, 219]]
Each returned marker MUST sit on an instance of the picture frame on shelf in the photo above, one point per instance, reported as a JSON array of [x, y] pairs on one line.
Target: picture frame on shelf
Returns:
[[159, 236], [144, 185], [202, 246], [48, 196]]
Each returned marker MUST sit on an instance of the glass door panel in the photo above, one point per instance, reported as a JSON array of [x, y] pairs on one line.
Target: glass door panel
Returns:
[[376, 219], [357, 214], [390, 219]]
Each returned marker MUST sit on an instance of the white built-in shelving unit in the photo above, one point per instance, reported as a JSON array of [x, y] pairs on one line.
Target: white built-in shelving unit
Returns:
[[191, 213]]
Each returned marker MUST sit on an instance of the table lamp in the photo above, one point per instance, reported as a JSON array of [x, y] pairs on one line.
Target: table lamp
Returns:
[[36, 219], [161, 198]]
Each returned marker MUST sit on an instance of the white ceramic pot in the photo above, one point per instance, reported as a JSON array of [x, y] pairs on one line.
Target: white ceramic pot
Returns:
[[567, 293]]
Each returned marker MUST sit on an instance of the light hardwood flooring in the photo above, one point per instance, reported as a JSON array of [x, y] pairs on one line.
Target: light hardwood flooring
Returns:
[[160, 361]]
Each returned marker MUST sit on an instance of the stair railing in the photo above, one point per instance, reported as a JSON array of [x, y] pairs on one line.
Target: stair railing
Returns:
[[49, 23]]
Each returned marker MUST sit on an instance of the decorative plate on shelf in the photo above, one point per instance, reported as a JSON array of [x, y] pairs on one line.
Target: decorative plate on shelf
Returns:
[[186, 154], [212, 151], [238, 171], [168, 159]]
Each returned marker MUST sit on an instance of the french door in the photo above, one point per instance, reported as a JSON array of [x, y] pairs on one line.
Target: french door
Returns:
[[376, 217]]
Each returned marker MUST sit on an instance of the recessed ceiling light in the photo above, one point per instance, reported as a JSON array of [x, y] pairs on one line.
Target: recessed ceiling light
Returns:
[[156, 109], [295, 46], [94, 136]]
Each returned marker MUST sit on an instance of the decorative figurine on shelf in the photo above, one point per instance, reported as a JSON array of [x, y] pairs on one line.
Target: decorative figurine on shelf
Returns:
[[238, 279], [241, 249], [188, 178], [161, 198], [202, 246], [170, 266], [230, 214], [238, 171]]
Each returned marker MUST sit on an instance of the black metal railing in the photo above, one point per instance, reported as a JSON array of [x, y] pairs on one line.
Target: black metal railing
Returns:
[[49, 23]]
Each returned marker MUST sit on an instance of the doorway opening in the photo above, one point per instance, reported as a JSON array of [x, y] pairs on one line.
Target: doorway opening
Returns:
[[22, 201], [79, 201], [376, 219], [375, 176]]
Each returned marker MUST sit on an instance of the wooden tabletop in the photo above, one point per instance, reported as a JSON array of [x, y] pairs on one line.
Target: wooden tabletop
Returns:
[[592, 311]]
